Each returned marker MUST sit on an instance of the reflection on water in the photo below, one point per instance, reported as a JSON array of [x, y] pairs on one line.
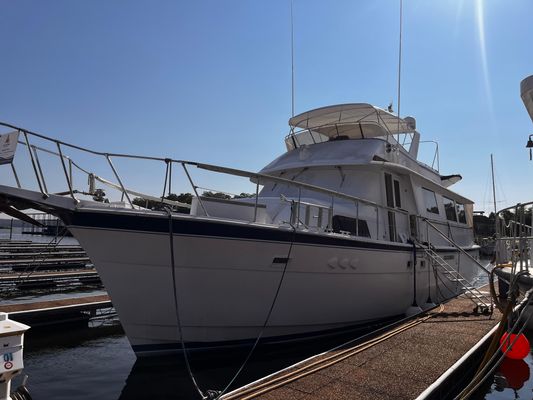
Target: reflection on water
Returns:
[[511, 380], [98, 363]]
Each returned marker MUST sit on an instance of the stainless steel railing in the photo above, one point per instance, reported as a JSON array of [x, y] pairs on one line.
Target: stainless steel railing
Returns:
[[68, 165]]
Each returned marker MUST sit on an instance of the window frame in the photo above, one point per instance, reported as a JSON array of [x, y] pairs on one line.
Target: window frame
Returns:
[[424, 197], [454, 208], [459, 213]]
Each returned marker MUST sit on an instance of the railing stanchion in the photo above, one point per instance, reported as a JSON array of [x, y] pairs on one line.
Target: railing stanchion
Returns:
[[256, 199], [65, 171], [377, 223], [34, 166], [194, 189], [15, 175], [165, 184], [39, 167], [298, 209], [70, 172], [356, 218], [170, 178], [124, 192]]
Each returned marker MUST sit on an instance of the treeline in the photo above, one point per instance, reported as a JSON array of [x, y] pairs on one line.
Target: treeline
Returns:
[[184, 198], [485, 226]]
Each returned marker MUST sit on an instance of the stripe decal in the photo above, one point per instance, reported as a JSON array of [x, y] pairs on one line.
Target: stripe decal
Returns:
[[215, 228]]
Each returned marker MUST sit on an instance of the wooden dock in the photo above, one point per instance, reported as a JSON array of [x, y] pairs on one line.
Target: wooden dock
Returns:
[[53, 312], [25, 256], [49, 279], [398, 364]]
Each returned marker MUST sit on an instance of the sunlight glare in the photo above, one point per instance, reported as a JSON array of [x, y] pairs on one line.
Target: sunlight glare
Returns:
[[481, 34]]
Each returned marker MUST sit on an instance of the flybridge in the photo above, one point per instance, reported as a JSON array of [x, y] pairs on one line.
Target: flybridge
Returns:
[[351, 121]]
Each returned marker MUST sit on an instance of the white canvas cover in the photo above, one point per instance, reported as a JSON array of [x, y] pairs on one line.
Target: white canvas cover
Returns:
[[8, 145], [356, 121]]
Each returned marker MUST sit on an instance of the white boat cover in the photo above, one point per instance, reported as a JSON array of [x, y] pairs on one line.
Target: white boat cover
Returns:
[[354, 121]]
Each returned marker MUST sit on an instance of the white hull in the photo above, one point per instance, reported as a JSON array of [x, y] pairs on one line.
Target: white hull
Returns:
[[226, 286]]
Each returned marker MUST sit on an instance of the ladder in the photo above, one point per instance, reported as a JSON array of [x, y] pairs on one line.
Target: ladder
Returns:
[[483, 303]]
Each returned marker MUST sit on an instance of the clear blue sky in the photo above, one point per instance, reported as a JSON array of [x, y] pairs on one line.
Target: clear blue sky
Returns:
[[210, 80]]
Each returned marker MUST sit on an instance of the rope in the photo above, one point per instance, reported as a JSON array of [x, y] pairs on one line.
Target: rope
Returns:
[[215, 394], [305, 370], [478, 378], [274, 300], [176, 306]]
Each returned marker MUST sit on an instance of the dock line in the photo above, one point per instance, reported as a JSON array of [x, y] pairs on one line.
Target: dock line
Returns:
[[262, 388]]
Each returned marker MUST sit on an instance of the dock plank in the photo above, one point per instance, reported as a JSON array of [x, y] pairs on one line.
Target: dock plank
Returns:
[[400, 367], [44, 305], [41, 260]]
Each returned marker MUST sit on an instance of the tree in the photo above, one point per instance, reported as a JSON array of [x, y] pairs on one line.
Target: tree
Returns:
[[244, 196], [159, 205], [217, 195]]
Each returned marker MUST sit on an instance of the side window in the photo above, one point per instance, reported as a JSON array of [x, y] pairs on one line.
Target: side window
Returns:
[[342, 223], [461, 213], [449, 208], [392, 191], [430, 201], [397, 194], [388, 190]]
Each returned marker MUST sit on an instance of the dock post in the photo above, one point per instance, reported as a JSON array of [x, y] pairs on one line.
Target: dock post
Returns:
[[12, 342], [11, 229]]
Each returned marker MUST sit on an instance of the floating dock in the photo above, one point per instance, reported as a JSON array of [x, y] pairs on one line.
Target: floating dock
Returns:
[[53, 312], [418, 359], [22, 256], [49, 279]]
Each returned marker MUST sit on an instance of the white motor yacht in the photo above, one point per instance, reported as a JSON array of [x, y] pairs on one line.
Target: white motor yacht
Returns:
[[345, 228]]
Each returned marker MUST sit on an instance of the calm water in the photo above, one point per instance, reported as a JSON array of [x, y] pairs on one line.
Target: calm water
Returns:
[[512, 380], [97, 363]]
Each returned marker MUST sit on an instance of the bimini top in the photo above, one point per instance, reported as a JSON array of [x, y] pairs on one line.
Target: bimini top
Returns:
[[351, 121]]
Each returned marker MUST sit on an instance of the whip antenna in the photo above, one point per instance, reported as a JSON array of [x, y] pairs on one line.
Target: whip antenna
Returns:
[[400, 67], [292, 62]]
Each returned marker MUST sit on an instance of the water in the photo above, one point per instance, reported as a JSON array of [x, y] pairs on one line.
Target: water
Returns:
[[98, 363], [512, 379]]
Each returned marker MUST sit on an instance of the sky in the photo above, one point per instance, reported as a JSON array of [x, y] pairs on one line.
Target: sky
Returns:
[[210, 80]]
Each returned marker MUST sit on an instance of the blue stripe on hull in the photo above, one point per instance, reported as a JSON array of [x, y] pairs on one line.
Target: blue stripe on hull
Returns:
[[201, 227]]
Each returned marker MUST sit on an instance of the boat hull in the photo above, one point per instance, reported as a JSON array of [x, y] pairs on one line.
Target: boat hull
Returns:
[[226, 276]]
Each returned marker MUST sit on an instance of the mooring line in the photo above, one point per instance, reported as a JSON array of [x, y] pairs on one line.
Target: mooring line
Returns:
[[318, 365]]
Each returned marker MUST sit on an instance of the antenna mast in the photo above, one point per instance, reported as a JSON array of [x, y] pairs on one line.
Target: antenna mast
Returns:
[[493, 184], [292, 62], [400, 67]]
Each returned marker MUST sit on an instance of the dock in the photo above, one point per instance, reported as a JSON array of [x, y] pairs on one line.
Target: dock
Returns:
[[412, 360], [49, 279], [29, 256], [53, 312]]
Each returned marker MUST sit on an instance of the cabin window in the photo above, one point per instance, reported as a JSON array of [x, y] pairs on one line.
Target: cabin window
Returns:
[[449, 208], [397, 194], [392, 191], [388, 190], [461, 213], [430, 201], [348, 224]]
